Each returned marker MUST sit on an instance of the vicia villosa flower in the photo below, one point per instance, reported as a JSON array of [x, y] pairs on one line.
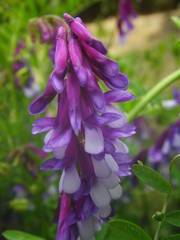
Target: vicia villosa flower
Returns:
[[125, 15], [23, 75], [84, 135]]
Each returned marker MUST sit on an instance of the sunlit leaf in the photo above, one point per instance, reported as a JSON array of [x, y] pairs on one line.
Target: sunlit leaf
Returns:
[[151, 178], [173, 218], [173, 237], [172, 164], [122, 229], [18, 235], [176, 20]]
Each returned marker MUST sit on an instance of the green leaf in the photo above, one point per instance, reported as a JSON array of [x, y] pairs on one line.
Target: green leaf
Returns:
[[151, 178], [172, 164], [173, 218], [18, 235], [176, 21], [173, 237], [122, 229]]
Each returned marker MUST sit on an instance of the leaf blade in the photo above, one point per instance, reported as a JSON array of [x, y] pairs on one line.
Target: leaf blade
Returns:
[[18, 235], [173, 218], [151, 178], [173, 237], [123, 229]]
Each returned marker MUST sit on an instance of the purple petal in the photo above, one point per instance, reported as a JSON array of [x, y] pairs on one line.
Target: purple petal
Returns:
[[125, 131], [43, 124], [37, 151], [41, 103], [176, 94], [103, 119], [71, 180], [110, 182], [73, 95], [80, 30], [119, 81], [100, 195], [116, 192], [118, 96], [94, 141], [98, 100], [97, 45], [61, 53], [86, 228], [57, 82], [111, 163], [120, 146], [122, 158], [77, 60], [101, 168], [59, 139], [124, 170], [52, 164], [109, 147]]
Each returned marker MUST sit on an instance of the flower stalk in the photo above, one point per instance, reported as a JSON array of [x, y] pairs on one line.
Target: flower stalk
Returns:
[[155, 91]]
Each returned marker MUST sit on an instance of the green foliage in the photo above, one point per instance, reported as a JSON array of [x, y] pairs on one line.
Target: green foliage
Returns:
[[17, 235], [173, 237], [122, 229], [176, 21], [173, 218], [151, 177]]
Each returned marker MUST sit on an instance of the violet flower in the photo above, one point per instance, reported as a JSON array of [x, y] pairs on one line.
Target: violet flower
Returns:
[[126, 13], [30, 88], [167, 145], [47, 28], [84, 135], [171, 103]]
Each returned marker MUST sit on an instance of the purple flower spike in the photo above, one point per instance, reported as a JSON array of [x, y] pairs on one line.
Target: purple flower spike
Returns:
[[84, 135], [126, 12], [167, 145]]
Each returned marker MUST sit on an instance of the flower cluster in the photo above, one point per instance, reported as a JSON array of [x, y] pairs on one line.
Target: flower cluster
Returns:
[[84, 135], [46, 28], [126, 12], [23, 76], [167, 146]]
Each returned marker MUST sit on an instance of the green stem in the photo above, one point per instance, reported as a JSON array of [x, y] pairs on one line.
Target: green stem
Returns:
[[156, 236], [153, 93]]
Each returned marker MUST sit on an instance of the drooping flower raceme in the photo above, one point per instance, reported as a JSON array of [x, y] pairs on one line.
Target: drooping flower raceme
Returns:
[[167, 145], [23, 76], [46, 29], [84, 135], [126, 13]]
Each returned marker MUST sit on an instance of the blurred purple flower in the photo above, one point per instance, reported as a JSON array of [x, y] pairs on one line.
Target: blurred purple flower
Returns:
[[19, 191], [29, 88], [21, 45], [84, 135], [126, 13], [47, 28], [176, 94], [171, 103], [167, 145]]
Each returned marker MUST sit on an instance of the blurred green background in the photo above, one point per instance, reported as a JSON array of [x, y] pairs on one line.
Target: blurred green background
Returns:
[[28, 197]]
